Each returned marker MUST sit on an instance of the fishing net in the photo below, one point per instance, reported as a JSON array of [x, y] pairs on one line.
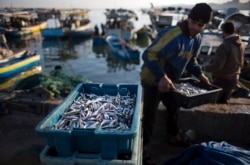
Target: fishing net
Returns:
[[57, 82]]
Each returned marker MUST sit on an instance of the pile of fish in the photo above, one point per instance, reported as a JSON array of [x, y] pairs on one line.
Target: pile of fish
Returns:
[[90, 111], [188, 89]]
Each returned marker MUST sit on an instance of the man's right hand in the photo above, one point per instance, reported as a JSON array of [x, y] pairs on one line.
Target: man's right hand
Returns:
[[165, 84]]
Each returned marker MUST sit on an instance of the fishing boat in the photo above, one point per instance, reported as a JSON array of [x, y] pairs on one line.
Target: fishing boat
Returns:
[[145, 32], [68, 24], [121, 49], [165, 17], [20, 24], [212, 35], [120, 22], [11, 81], [240, 19], [17, 63]]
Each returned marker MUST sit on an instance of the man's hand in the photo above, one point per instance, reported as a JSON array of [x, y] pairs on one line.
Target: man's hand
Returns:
[[165, 84], [204, 79]]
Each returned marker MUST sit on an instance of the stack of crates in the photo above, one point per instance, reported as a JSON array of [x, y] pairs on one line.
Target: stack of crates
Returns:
[[92, 146], [49, 156]]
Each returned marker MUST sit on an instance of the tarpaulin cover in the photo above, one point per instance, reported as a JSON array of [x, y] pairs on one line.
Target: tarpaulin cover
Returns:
[[212, 153]]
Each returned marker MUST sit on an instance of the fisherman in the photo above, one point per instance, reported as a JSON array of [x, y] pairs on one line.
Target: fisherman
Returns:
[[96, 33], [3, 41], [4, 48], [227, 62], [103, 29], [172, 52]]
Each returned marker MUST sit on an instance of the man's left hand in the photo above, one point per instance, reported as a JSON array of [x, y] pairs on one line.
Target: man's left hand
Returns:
[[204, 79]]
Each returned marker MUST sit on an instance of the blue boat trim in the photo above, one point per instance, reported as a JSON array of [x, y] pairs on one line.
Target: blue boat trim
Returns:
[[18, 70]]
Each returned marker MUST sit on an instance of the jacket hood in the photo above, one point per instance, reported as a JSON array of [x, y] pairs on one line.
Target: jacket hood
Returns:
[[184, 27], [234, 39]]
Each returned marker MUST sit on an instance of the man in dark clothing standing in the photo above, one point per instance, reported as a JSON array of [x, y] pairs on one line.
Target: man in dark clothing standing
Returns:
[[164, 61], [227, 62]]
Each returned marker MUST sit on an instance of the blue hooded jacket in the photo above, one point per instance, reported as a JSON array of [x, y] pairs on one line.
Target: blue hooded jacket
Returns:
[[171, 53]]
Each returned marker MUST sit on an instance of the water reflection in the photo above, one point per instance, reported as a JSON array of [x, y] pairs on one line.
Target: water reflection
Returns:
[[115, 64], [61, 50], [101, 50], [82, 57], [24, 42]]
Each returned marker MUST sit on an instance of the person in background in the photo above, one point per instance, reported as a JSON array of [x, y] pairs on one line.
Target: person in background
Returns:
[[164, 61], [103, 29], [227, 62], [3, 41], [96, 32]]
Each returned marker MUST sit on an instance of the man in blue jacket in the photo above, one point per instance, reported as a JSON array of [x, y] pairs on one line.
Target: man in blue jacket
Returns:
[[165, 60]]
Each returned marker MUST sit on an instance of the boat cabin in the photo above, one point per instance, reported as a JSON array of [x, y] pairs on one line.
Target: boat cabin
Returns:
[[18, 19]]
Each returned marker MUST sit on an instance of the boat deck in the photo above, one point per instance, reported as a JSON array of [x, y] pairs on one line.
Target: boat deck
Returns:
[[10, 61]]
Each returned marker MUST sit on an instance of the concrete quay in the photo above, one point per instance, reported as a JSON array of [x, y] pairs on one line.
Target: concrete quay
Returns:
[[219, 122]]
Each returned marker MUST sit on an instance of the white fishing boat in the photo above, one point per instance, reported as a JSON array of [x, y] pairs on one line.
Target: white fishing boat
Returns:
[[164, 17], [70, 24], [120, 22], [238, 17], [20, 24]]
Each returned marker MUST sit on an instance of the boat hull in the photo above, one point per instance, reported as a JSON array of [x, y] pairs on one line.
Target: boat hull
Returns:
[[17, 34], [99, 40], [11, 81], [122, 51], [52, 33], [61, 33], [60, 29], [17, 64], [25, 31], [126, 34], [84, 33]]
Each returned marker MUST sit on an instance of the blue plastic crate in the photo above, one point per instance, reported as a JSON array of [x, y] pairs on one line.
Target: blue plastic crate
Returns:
[[105, 142], [49, 156]]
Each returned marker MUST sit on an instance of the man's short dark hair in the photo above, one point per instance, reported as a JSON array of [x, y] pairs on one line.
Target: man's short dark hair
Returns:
[[228, 27], [201, 12]]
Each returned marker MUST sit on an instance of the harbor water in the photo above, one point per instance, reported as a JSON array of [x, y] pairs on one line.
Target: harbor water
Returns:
[[82, 58]]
